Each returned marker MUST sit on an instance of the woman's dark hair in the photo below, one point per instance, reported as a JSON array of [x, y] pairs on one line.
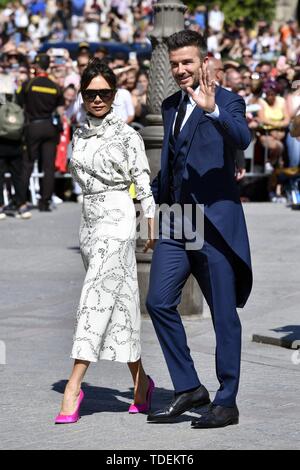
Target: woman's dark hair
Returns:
[[257, 87], [297, 75], [142, 72], [187, 38], [95, 68]]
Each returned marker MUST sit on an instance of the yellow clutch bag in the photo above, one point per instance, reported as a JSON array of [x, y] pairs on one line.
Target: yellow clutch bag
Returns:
[[132, 191]]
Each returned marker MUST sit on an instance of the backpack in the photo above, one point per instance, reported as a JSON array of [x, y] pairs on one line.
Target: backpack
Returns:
[[11, 121]]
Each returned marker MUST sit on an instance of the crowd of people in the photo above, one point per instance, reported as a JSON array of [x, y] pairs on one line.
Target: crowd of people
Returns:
[[34, 21], [261, 63]]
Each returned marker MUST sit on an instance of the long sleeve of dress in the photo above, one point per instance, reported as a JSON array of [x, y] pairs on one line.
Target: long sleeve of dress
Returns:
[[140, 174]]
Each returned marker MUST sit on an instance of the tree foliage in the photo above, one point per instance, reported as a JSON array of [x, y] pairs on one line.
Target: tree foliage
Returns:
[[251, 10], [3, 3]]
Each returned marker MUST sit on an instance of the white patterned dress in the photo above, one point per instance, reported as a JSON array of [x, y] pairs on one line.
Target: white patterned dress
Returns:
[[107, 157]]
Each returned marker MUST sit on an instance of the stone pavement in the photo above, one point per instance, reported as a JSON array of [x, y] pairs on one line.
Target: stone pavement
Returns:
[[41, 275]]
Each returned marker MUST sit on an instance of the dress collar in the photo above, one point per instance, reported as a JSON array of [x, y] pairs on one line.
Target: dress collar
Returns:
[[97, 126]]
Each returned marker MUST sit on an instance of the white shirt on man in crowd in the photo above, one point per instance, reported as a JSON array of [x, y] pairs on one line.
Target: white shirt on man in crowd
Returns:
[[216, 19], [123, 105]]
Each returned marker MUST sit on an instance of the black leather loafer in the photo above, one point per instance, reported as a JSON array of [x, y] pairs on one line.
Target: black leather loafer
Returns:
[[217, 417], [181, 403]]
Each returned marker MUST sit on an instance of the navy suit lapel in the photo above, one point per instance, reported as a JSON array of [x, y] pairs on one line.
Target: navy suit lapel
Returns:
[[169, 116]]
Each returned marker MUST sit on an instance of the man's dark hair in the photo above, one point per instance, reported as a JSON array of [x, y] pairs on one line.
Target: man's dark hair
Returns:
[[265, 62], [187, 38], [243, 68], [102, 49], [95, 68], [121, 56]]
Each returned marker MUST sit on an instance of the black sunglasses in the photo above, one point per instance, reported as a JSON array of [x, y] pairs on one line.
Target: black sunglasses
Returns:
[[106, 94]]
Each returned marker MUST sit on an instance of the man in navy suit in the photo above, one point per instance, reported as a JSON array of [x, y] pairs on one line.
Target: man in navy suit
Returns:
[[203, 126]]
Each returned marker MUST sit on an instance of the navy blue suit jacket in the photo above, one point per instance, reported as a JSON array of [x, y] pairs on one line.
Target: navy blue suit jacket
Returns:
[[204, 173]]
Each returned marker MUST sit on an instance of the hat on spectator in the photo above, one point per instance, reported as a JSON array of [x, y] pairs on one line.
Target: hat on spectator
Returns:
[[83, 45], [72, 79], [42, 60], [35, 19]]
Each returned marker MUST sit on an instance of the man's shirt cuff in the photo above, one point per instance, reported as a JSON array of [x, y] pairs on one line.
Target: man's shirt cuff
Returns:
[[215, 114]]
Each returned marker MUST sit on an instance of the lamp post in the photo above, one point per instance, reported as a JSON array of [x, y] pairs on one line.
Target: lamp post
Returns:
[[169, 19]]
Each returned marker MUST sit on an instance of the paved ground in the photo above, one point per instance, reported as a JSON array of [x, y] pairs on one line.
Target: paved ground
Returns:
[[41, 276]]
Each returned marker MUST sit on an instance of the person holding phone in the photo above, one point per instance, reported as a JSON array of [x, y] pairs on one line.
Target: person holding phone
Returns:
[[108, 156]]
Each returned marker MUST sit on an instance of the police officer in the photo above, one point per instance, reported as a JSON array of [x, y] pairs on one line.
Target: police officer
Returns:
[[43, 102]]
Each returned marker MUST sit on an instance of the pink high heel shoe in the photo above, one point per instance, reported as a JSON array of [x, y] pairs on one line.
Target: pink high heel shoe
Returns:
[[145, 407], [68, 419]]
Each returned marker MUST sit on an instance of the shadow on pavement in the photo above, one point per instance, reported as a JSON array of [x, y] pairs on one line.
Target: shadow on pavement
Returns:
[[74, 248], [101, 399], [293, 334]]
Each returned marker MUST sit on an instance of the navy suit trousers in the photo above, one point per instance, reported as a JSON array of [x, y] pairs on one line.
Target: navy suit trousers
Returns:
[[212, 266]]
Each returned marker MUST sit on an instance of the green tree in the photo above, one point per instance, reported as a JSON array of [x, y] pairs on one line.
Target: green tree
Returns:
[[251, 10], [3, 3]]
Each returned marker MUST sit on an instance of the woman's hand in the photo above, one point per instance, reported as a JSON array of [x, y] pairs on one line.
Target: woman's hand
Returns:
[[150, 243]]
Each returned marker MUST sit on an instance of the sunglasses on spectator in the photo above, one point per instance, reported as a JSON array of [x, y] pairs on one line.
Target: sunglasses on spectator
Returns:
[[247, 55], [106, 94]]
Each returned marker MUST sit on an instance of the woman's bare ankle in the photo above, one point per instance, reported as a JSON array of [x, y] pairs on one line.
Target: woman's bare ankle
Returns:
[[73, 388], [140, 392]]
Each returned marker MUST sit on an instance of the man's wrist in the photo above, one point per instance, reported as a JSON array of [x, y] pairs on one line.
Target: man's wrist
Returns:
[[210, 110], [215, 113]]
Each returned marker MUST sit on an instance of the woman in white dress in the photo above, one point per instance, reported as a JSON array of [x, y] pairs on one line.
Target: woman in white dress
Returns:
[[107, 157]]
